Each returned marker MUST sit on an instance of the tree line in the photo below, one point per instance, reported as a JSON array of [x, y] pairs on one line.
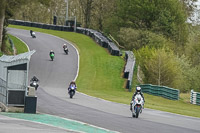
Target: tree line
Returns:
[[166, 46]]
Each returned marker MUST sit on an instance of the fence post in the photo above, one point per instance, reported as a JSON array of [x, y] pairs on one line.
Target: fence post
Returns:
[[191, 96]]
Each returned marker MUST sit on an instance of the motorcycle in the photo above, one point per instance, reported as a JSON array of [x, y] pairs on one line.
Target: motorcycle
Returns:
[[137, 106], [34, 84], [52, 56], [72, 90], [33, 35], [66, 50]]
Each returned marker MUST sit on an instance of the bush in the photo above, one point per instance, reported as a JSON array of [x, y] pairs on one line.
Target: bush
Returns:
[[163, 67], [136, 39]]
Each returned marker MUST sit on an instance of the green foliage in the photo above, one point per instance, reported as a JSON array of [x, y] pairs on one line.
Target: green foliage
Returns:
[[7, 10], [86, 7], [33, 10], [160, 68], [12, 6], [163, 67], [164, 17], [44, 2], [136, 39], [192, 48], [102, 13], [7, 48], [196, 79], [189, 75]]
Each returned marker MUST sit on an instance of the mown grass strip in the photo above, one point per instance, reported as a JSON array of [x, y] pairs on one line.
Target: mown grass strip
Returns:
[[101, 76], [19, 45]]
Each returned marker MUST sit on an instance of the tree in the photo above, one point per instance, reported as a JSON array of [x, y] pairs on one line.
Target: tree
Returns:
[[159, 66], [136, 39], [103, 11], [86, 7], [189, 75], [33, 11], [7, 8], [162, 69], [166, 17], [2, 17]]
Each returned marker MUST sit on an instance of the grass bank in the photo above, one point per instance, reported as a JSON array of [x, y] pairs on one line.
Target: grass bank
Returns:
[[7, 49], [19, 45], [101, 75]]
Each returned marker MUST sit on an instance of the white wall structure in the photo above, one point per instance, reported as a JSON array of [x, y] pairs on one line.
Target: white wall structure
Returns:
[[14, 78]]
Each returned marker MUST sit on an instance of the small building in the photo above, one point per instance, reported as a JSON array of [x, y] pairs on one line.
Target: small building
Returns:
[[14, 78]]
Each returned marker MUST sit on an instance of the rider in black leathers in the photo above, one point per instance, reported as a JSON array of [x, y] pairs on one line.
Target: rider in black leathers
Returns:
[[31, 32], [34, 78]]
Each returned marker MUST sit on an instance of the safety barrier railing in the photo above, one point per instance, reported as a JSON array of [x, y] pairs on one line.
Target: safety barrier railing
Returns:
[[97, 36], [195, 97], [129, 68], [163, 91], [101, 40]]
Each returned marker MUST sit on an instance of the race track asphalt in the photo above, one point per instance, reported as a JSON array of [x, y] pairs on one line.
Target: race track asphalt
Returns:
[[53, 98]]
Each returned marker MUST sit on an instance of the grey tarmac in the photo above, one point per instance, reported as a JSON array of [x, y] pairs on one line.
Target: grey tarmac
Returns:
[[53, 98]]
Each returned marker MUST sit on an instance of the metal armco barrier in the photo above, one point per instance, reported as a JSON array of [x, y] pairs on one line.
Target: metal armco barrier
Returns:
[[40, 25], [195, 97], [97, 36], [101, 40], [163, 91], [129, 68]]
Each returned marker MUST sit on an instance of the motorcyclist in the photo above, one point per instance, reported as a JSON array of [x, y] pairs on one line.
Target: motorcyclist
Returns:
[[72, 83], [34, 78], [51, 52], [31, 32], [64, 46], [138, 91]]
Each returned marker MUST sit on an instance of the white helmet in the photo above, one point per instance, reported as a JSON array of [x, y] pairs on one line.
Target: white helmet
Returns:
[[138, 88], [65, 44]]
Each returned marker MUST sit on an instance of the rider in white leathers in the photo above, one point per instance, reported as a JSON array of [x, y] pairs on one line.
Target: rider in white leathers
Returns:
[[138, 91]]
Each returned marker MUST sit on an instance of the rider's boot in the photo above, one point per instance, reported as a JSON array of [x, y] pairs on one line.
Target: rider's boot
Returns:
[[131, 106]]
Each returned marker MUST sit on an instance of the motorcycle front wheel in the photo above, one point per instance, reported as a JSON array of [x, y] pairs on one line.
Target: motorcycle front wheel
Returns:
[[71, 94], [137, 112]]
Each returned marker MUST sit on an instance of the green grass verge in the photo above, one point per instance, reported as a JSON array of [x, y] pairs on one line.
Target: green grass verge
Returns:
[[19, 45], [1, 54], [181, 106], [101, 76]]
